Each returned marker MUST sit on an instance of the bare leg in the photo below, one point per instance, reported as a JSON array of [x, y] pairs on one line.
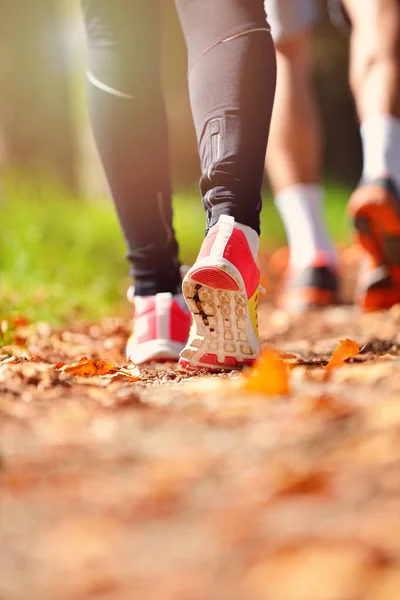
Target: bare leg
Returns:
[[375, 205], [375, 56], [294, 151], [293, 164]]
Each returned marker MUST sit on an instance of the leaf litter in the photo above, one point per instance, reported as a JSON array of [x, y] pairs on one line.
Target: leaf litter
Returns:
[[280, 482]]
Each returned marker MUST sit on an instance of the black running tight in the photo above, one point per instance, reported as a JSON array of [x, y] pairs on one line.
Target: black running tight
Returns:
[[232, 76]]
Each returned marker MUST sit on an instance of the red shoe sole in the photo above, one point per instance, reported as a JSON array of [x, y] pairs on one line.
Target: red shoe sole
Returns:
[[214, 278], [210, 362]]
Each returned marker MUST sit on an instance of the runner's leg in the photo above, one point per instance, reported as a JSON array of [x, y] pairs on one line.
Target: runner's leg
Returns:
[[129, 123], [375, 205], [294, 160], [232, 83]]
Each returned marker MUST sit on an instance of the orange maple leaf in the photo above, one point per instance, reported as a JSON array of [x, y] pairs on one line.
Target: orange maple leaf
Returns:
[[346, 349], [270, 375]]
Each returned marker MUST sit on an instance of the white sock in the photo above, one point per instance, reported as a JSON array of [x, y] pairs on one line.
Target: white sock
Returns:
[[300, 207], [380, 137]]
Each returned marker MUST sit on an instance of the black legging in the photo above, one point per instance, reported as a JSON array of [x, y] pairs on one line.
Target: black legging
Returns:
[[232, 75]]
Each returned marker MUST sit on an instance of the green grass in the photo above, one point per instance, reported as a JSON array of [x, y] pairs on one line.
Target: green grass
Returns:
[[61, 258]]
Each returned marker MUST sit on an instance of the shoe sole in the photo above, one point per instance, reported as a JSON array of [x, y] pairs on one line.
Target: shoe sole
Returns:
[[216, 296], [154, 351], [377, 229]]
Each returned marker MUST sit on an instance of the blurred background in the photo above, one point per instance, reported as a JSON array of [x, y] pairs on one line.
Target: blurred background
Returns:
[[61, 252]]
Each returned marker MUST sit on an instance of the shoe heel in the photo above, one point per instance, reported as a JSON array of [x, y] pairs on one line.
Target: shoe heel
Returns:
[[214, 278], [377, 228]]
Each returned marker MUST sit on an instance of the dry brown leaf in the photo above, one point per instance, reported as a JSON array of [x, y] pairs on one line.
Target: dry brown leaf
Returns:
[[83, 368], [270, 375], [302, 483], [105, 368], [89, 368], [13, 360], [19, 321], [20, 341], [346, 349]]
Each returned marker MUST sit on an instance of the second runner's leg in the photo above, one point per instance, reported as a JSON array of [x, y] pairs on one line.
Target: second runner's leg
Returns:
[[294, 161], [375, 205]]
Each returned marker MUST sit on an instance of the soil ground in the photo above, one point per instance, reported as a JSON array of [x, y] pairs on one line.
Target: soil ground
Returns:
[[186, 487]]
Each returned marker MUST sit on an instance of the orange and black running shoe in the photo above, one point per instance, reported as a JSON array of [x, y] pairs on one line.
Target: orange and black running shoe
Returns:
[[314, 287], [374, 209]]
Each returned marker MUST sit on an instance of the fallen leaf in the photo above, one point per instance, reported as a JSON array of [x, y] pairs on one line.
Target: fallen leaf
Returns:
[[20, 341], [104, 368], [270, 375], [88, 368], [83, 368], [19, 321], [294, 482], [121, 375], [13, 359], [346, 349], [292, 358]]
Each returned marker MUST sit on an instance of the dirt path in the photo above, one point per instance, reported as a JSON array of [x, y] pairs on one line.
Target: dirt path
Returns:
[[182, 487]]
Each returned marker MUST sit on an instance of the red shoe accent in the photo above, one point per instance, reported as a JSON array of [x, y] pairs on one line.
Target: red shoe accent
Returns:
[[187, 366], [160, 329], [209, 359], [227, 340], [179, 324], [238, 252], [214, 278], [230, 362], [148, 314]]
